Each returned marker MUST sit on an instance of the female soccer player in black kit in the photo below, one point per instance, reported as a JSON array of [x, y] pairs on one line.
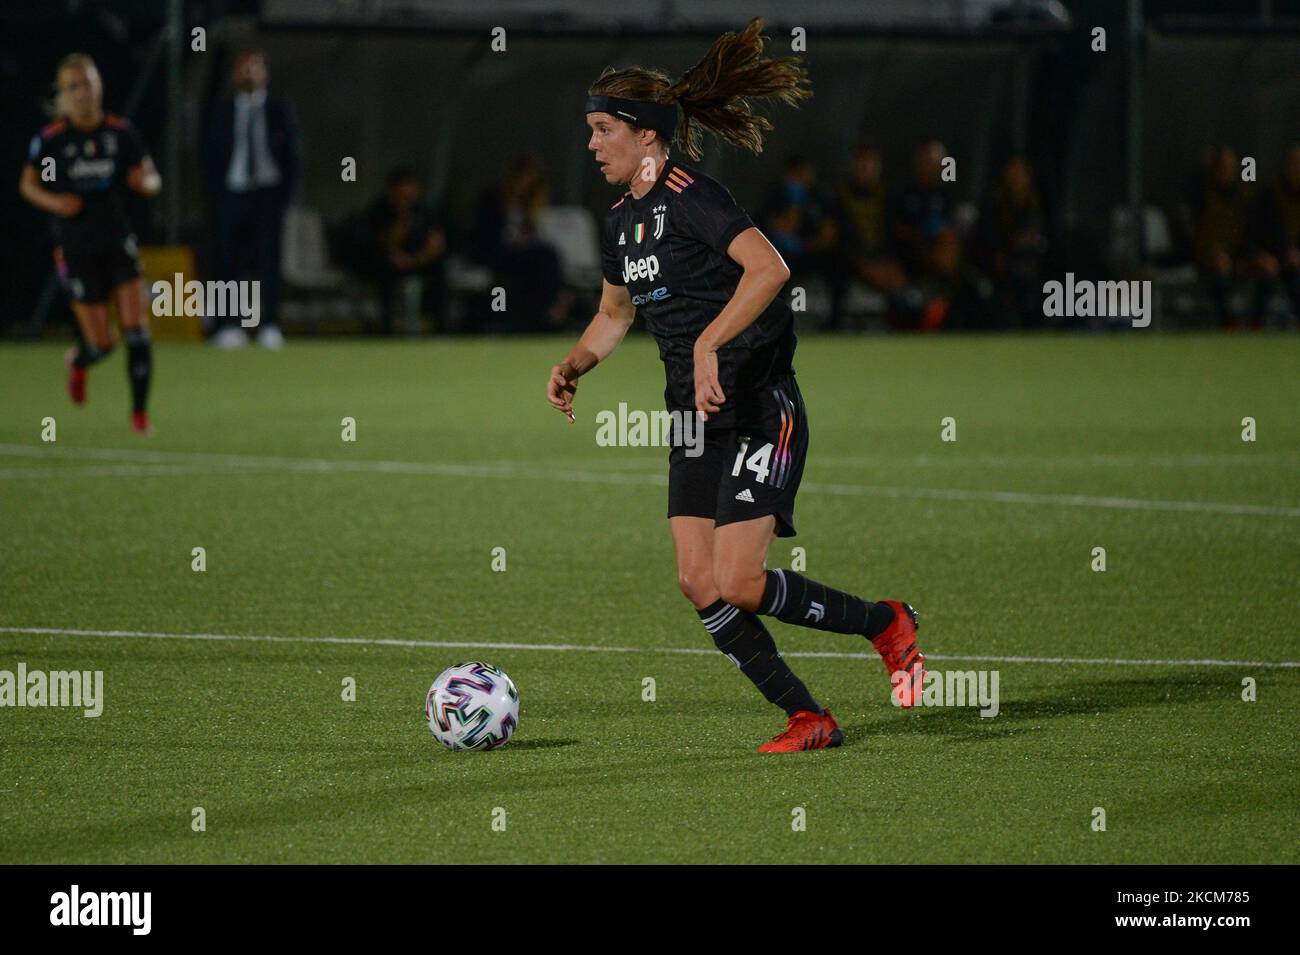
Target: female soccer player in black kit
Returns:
[[78, 170], [678, 248]]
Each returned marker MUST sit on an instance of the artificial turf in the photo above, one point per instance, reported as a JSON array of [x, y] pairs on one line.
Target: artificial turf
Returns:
[[1131, 442]]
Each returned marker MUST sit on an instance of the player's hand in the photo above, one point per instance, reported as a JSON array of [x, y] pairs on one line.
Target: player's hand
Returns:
[[561, 389], [144, 179], [708, 393], [67, 205]]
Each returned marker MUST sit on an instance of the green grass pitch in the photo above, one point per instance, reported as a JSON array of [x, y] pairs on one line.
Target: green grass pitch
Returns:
[[1129, 442]]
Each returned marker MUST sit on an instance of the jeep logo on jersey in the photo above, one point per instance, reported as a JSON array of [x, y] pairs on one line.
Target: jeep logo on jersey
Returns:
[[646, 268]]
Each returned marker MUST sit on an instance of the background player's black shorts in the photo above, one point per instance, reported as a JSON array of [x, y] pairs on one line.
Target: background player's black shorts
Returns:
[[747, 471], [90, 272]]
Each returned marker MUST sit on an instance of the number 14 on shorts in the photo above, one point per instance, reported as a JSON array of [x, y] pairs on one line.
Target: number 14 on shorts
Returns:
[[757, 462]]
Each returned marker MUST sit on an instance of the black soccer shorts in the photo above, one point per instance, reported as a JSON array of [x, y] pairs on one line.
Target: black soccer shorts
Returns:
[[749, 470], [90, 273]]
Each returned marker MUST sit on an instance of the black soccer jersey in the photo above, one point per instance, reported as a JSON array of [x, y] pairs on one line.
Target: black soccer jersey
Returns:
[[670, 249], [94, 165]]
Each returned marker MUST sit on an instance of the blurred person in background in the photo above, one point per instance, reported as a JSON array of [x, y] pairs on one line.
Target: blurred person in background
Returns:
[[404, 240], [1225, 245], [251, 161], [1280, 226], [1011, 242], [801, 221], [925, 234], [80, 169], [865, 243], [508, 243]]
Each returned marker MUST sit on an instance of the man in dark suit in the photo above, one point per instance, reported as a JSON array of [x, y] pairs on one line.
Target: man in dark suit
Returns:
[[252, 161]]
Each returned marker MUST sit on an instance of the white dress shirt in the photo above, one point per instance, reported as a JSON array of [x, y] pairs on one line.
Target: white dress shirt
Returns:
[[250, 123]]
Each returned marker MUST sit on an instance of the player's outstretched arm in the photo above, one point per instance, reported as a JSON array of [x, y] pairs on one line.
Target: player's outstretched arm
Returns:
[[597, 343]]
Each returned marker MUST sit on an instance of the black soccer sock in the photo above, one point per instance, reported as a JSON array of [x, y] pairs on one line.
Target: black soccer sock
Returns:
[[88, 354], [793, 598], [743, 638], [879, 617], [139, 365]]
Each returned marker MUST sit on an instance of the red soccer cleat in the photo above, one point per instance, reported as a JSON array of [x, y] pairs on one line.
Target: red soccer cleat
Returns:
[[76, 379], [140, 422], [903, 659], [806, 730]]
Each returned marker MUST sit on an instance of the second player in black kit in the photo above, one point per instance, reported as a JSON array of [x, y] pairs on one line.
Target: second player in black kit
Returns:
[[80, 169], [679, 252], [96, 251]]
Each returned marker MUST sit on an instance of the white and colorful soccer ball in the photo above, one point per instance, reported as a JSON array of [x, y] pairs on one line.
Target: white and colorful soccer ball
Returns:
[[472, 706]]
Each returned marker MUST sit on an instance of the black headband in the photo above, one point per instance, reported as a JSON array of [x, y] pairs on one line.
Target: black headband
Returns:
[[660, 117]]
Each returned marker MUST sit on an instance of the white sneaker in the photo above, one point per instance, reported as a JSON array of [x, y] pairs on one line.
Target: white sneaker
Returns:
[[271, 337], [230, 337]]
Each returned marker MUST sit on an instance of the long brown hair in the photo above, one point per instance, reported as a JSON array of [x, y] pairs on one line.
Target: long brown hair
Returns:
[[715, 93]]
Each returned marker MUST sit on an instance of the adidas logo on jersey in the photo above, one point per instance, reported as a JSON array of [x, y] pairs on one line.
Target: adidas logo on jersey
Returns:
[[745, 496], [622, 238]]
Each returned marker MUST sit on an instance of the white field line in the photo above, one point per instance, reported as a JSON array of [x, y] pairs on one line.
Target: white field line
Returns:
[[1247, 458], [595, 648], [518, 469], [655, 456], [105, 470]]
